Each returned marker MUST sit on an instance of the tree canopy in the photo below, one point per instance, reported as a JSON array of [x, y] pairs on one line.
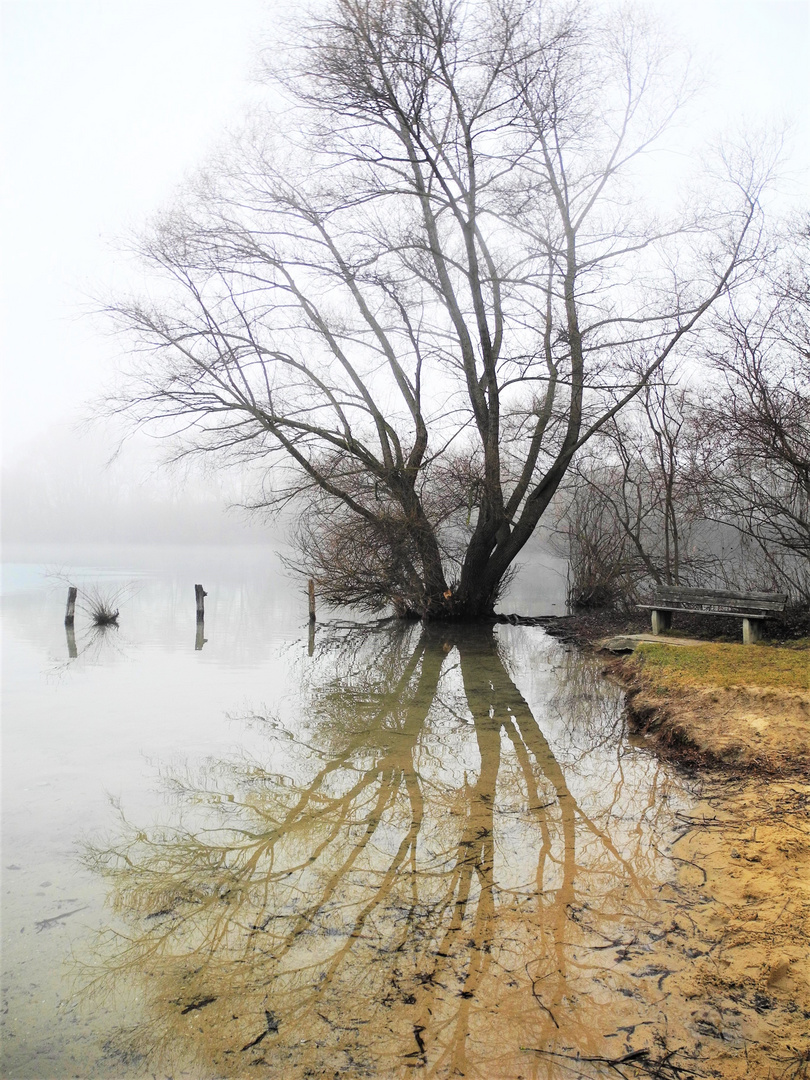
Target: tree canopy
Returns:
[[425, 283]]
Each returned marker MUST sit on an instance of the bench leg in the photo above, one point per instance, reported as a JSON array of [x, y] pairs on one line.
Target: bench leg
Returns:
[[752, 631], [661, 620]]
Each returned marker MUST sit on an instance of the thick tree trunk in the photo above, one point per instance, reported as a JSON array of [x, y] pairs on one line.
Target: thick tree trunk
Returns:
[[477, 590], [434, 603]]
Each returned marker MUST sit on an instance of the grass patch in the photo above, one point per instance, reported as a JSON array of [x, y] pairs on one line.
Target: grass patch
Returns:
[[100, 604], [715, 664]]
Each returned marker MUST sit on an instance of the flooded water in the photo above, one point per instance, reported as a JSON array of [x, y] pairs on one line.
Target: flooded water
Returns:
[[384, 848]]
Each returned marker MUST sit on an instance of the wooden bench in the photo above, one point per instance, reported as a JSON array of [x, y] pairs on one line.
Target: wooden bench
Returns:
[[752, 608]]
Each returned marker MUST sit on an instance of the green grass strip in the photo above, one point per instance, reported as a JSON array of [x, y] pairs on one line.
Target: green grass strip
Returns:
[[713, 664]]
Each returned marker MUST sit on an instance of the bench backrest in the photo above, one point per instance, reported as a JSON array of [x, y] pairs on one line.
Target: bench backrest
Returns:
[[676, 596]]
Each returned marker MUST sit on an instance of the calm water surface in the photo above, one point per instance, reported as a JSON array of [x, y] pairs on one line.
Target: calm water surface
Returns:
[[255, 853]]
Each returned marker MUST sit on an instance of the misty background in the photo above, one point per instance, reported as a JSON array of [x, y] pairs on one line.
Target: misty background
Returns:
[[107, 107]]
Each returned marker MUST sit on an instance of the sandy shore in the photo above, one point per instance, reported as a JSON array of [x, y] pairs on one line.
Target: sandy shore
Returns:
[[746, 855], [741, 903]]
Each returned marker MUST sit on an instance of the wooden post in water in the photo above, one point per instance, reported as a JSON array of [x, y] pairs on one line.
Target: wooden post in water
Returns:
[[70, 611], [200, 595], [311, 643], [73, 652]]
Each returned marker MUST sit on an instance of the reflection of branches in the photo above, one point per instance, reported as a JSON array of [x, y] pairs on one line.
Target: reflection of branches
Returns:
[[384, 882], [90, 645]]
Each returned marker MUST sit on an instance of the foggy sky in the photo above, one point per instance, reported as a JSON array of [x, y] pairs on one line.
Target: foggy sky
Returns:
[[109, 103]]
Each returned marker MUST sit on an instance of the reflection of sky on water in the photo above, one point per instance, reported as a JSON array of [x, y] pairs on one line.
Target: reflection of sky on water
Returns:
[[397, 827]]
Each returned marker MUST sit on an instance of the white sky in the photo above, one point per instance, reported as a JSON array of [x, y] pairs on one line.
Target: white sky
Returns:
[[107, 103]]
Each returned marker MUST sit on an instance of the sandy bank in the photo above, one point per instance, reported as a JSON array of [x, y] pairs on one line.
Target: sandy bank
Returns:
[[740, 716], [726, 706]]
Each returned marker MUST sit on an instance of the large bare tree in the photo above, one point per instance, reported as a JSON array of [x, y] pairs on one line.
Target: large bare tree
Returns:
[[431, 283]]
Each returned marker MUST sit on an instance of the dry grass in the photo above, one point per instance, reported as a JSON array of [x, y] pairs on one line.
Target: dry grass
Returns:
[[100, 604]]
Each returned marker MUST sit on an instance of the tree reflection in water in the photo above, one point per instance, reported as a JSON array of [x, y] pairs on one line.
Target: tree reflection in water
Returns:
[[408, 881]]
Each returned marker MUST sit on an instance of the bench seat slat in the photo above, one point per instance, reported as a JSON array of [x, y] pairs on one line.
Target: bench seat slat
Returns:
[[681, 594], [706, 611], [720, 605]]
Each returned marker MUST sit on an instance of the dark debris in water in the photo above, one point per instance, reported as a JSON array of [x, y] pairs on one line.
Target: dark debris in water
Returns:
[[272, 1025], [642, 1062], [198, 1003]]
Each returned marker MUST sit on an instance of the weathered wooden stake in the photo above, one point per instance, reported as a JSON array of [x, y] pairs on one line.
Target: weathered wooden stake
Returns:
[[200, 593], [200, 639], [70, 611], [311, 642], [311, 600], [73, 652]]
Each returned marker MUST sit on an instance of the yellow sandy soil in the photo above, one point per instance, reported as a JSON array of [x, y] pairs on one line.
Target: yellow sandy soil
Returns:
[[749, 726], [748, 988]]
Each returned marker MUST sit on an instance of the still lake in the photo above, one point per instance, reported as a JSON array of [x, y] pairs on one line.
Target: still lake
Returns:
[[384, 849]]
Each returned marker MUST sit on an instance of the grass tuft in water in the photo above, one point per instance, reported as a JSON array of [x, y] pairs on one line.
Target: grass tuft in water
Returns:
[[100, 605]]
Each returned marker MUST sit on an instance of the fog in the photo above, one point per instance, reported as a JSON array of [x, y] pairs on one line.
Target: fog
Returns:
[[65, 488], [108, 108]]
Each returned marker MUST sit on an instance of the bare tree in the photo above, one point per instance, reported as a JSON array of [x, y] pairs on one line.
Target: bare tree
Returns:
[[434, 286], [756, 425], [632, 512]]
